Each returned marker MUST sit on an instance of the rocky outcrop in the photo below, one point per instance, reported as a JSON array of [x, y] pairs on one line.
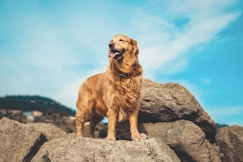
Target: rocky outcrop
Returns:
[[25, 142], [49, 130], [175, 141], [100, 150], [178, 129], [184, 137], [171, 102], [230, 141], [18, 141]]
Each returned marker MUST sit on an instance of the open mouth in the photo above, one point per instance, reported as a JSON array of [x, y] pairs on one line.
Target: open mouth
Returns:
[[116, 54]]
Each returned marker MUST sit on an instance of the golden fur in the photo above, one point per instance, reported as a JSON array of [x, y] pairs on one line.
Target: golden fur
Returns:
[[114, 93]]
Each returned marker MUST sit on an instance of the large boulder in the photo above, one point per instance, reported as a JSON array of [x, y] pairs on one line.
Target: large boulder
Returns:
[[18, 142], [184, 137], [75, 149], [49, 130], [230, 141], [171, 102], [42, 142]]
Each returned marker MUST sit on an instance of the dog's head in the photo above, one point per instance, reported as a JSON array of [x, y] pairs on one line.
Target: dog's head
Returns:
[[121, 46]]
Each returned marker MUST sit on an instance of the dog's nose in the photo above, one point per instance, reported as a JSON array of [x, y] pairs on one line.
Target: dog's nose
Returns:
[[111, 45]]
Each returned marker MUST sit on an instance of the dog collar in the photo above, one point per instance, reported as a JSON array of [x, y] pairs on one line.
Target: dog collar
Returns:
[[123, 76]]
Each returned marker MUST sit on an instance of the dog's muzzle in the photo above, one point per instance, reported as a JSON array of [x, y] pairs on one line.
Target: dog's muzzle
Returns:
[[115, 53]]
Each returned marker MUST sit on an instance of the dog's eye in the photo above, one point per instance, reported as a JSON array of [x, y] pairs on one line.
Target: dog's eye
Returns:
[[121, 40]]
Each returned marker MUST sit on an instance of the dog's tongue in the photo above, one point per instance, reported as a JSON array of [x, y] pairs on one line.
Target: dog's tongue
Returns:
[[113, 54]]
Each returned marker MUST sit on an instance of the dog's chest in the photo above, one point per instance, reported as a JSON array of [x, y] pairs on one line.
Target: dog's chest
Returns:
[[128, 91], [127, 86]]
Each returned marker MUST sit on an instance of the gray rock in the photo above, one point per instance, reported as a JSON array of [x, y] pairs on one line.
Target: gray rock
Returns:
[[49, 130], [230, 141], [171, 102], [100, 150], [18, 141], [184, 137]]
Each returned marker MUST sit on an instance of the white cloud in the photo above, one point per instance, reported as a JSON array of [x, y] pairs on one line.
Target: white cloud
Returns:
[[163, 42], [235, 110], [233, 114], [69, 92], [43, 57], [205, 81], [51, 52], [193, 89]]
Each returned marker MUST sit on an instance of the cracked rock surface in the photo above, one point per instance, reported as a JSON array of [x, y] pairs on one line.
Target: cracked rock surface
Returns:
[[170, 102], [230, 141], [18, 141], [75, 149]]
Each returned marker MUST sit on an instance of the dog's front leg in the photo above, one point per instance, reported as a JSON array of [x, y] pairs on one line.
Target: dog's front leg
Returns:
[[133, 120], [112, 120]]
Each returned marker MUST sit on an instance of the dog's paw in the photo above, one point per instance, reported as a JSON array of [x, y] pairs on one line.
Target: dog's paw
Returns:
[[79, 137], [140, 137], [110, 138]]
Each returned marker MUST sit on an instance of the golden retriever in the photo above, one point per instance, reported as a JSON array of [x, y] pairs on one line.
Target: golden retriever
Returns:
[[114, 93]]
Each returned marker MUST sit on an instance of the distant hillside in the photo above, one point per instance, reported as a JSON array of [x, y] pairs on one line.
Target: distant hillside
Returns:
[[221, 125], [29, 103]]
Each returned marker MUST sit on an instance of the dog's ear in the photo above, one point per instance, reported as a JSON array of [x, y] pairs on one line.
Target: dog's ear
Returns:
[[133, 42], [135, 46]]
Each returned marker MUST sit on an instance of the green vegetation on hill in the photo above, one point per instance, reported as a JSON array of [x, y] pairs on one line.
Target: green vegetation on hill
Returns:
[[30, 103], [221, 125]]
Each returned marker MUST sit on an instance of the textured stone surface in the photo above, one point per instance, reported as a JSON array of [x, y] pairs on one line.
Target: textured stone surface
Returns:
[[171, 102], [177, 126], [18, 141], [49, 130], [230, 141], [100, 150], [184, 137]]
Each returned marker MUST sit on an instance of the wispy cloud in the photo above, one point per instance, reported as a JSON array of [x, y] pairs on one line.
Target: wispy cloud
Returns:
[[232, 114], [205, 81], [45, 52], [49, 49], [177, 27]]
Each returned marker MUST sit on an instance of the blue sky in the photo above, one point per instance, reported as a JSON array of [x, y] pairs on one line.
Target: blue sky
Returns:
[[48, 47]]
